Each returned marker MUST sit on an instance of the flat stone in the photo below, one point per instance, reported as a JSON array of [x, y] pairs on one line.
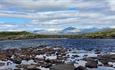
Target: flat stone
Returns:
[[91, 64], [62, 67], [2, 64], [80, 68]]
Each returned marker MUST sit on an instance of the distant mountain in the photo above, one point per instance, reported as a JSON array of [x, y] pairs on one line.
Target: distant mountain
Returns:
[[70, 30], [45, 32], [107, 29], [89, 30], [73, 30], [37, 31], [106, 33]]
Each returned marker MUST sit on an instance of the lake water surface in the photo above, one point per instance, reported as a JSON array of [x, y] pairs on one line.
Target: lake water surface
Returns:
[[108, 44]]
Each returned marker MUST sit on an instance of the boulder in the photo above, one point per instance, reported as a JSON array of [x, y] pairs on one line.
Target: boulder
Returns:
[[17, 69], [112, 57], [91, 65], [62, 67], [17, 61], [3, 56], [80, 68], [47, 65], [2, 64], [33, 69], [104, 61], [29, 67], [91, 62], [21, 66], [107, 58]]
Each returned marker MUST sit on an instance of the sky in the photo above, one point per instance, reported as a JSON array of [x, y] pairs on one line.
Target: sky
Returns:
[[52, 15]]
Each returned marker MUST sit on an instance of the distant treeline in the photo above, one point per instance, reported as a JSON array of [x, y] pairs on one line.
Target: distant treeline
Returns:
[[27, 35]]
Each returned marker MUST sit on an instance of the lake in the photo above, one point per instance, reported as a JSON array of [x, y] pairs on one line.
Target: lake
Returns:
[[105, 44]]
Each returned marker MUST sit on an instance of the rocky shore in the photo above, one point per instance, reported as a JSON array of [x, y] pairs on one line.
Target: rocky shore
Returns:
[[55, 58]]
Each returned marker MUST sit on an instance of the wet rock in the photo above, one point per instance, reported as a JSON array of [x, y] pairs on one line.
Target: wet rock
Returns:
[[91, 59], [91, 63], [107, 58], [17, 69], [31, 66], [62, 67], [33, 69], [47, 65], [97, 51], [112, 57], [2, 64], [80, 68], [17, 61], [3, 56], [104, 59], [21, 66], [100, 65]]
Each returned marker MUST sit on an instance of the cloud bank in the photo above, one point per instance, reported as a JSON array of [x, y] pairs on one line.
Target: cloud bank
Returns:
[[57, 14]]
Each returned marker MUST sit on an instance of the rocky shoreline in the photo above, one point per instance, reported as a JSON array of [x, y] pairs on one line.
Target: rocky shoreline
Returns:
[[55, 58]]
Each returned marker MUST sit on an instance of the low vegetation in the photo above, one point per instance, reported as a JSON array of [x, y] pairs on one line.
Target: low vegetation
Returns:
[[27, 35]]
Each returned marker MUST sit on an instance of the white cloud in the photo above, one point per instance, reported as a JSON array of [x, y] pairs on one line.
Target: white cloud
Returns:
[[112, 4], [58, 14], [5, 25], [53, 5], [39, 5], [41, 16]]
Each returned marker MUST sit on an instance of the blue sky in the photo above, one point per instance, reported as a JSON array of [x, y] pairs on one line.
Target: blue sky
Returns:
[[55, 15], [14, 20]]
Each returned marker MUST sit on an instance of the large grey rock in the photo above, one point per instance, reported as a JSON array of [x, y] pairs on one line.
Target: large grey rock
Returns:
[[62, 67], [106, 58], [91, 64], [2, 64], [80, 68]]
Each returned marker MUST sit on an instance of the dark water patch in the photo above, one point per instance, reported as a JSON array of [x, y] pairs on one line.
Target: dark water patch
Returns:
[[106, 44]]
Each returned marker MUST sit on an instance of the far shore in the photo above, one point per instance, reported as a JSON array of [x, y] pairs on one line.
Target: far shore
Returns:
[[49, 39], [30, 39]]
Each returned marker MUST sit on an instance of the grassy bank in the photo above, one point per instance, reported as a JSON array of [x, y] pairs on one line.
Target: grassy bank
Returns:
[[27, 35]]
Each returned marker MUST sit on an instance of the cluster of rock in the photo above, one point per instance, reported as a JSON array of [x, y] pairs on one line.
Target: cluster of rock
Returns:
[[32, 58], [53, 58]]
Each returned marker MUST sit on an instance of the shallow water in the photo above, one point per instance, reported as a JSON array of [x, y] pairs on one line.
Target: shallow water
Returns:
[[105, 44]]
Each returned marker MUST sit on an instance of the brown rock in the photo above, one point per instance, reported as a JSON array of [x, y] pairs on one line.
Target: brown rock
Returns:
[[32, 67], [3, 56]]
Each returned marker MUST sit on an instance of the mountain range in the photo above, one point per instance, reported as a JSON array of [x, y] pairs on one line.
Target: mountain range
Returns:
[[68, 31]]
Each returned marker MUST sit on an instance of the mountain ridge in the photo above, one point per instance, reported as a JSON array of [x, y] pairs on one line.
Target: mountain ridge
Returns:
[[67, 31], [104, 34]]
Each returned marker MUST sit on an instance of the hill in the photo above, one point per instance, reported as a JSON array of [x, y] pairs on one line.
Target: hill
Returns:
[[104, 34]]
